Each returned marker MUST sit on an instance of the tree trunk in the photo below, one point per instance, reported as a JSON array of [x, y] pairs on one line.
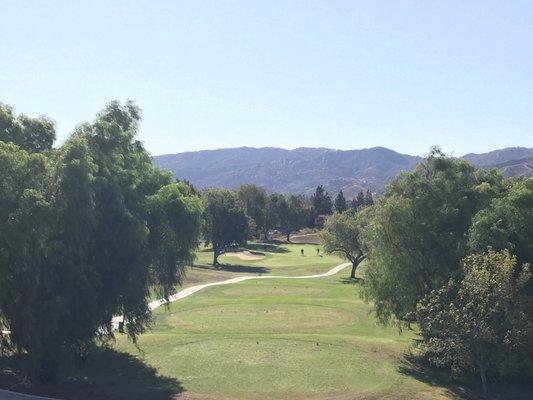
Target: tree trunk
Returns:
[[288, 237], [216, 253], [354, 267], [483, 376]]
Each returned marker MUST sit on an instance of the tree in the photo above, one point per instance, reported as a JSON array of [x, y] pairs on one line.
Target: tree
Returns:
[[340, 202], [225, 221], [255, 201], [31, 134], [507, 222], [84, 231], [296, 215], [272, 213], [322, 201], [369, 199], [478, 323], [174, 222], [418, 234], [341, 236]]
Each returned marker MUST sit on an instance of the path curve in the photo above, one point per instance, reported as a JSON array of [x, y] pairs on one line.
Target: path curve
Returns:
[[8, 395], [193, 289]]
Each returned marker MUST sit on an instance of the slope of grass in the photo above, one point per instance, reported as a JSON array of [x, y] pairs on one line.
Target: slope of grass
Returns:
[[267, 339]]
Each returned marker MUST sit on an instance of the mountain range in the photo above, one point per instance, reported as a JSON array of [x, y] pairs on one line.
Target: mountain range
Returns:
[[301, 170]]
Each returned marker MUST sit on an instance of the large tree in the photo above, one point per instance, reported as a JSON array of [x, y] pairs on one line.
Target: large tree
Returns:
[[225, 221], [477, 322], [340, 202], [84, 231], [321, 201], [31, 134], [255, 199], [341, 236], [418, 233]]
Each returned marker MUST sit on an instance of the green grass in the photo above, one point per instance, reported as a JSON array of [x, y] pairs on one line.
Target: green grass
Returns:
[[265, 339], [282, 259]]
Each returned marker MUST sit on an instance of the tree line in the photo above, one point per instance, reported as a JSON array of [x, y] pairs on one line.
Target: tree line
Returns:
[[449, 248]]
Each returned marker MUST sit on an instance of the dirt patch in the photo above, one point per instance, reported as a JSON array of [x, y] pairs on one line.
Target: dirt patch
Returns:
[[246, 255]]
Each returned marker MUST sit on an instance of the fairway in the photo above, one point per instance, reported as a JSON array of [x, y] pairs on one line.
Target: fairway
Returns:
[[276, 338]]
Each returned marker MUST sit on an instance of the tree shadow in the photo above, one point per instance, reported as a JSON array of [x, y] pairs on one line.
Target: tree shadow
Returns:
[[107, 374], [460, 389], [251, 269], [268, 247], [351, 281]]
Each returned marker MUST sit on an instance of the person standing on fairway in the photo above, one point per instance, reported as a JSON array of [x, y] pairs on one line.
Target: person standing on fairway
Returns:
[[302, 251]]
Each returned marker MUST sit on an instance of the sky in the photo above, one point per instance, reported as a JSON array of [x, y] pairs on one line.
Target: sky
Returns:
[[339, 74]]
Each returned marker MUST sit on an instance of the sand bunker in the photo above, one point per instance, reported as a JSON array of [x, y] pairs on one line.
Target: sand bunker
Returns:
[[246, 255]]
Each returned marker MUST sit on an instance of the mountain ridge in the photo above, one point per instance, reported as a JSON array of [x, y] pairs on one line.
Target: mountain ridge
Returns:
[[300, 170]]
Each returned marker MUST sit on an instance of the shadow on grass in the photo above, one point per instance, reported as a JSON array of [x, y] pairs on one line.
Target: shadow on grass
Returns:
[[351, 281], [251, 269], [107, 374], [460, 389], [268, 247]]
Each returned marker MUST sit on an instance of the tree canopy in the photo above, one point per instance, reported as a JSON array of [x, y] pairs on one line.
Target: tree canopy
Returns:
[[85, 229], [340, 203], [341, 236], [255, 199], [225, 221], [478, 323], [321, 201], [418, 233]]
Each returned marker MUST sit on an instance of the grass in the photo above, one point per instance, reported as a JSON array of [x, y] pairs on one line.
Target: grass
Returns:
[[261, 339], [286, 339], [280, 259]]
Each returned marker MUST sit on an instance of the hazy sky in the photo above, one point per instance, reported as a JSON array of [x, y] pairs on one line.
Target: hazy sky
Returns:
[[340, 74]]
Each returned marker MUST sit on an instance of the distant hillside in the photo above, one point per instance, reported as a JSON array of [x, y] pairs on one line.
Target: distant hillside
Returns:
[[301, 170]]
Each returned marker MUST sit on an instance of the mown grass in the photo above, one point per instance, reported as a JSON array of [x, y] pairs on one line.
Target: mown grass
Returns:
[[286, 339]]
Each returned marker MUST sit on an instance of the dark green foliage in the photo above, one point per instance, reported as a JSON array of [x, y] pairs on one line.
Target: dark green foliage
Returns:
[[362, 200], [341, 236], [84, 230], [225, 221], [507, 222], [255, 201], [296, 215], [477, 322], [340, 203], [174, 223], [31, 134], [321, 201], [418, 234]]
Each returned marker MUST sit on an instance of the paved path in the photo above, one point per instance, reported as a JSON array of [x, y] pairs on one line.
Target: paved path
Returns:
[[193, 289], [7, 395]]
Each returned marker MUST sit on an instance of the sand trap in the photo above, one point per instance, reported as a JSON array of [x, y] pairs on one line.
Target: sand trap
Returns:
[[245, 255]]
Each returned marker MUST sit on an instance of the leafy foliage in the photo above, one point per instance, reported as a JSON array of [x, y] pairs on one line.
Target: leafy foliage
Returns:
[[341, 237], [418, 234], [340, 203], [84, 230], [477, 324], [31, 134], [255, 201], [225, 221], [322, 201]]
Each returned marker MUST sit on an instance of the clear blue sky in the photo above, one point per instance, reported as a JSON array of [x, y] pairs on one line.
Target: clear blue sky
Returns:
[[340, 74]]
